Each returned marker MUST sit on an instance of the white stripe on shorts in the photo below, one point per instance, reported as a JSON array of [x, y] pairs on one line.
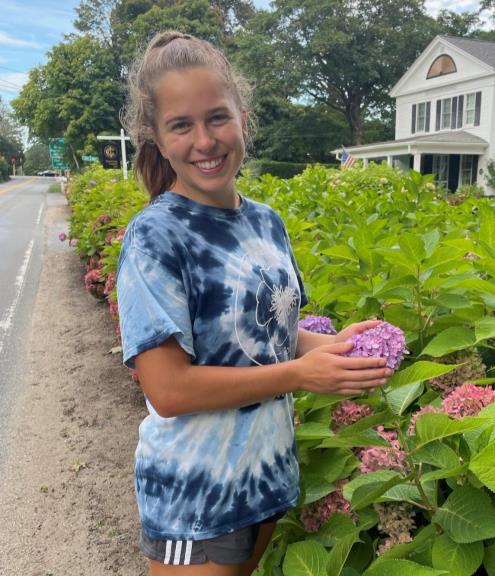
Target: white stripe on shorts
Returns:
[[178, 548], [168, 552], [187, 557]]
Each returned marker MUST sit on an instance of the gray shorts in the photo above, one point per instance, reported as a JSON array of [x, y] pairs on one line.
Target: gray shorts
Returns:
[[232, 548]]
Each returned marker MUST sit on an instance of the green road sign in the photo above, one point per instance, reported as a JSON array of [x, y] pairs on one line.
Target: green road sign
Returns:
[[57, 148], [90, 158]]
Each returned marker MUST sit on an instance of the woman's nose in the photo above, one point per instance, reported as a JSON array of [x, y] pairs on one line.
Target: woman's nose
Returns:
[[204, 138]]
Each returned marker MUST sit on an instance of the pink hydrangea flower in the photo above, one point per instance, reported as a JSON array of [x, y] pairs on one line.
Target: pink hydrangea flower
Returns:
[[314, 515], [378, 457], [109, 237], [468, 400], [91, 279], [319, 324], [62, 236], [113, 309], [110, 283], [384, 341], [73, 242], [104, 219], [120, 234], [348, 412]]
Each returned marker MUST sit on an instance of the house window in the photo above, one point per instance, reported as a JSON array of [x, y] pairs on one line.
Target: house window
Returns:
[[441, 168], [446, 113], [467, 170], [441, 66], [470, 109], [421, 119]]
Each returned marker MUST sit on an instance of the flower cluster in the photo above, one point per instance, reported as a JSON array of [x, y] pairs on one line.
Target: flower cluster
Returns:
[[73, 242], [109, 283], [93, 283], [320, 324], [378, 457], [396, 520], [316, 514], [62, 236], [120, 234], [468, 400], [93, 263], [471, 368], [347, 413], [384, 341]]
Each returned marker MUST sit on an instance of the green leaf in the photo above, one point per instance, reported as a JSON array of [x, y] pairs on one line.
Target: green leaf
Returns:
[[330, 463], [404, 550], [402, 568], [399, 399], [362, 439], [482, 465], [450, 340], [437, 454], [313, 431], [452, 301], [315, 487], [365, 479], [308, 558], [459, 559], [443, 473], [413, 247], [323, 400], [485, 328], [420, 371], [467, 515], [430, 427], [365, 495], [342, 251], [367, 422], [339, 553], [489, 560], [332, 531]]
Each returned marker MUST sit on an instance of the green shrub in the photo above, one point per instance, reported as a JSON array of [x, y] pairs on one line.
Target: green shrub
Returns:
[[258, 168], [4, 170]]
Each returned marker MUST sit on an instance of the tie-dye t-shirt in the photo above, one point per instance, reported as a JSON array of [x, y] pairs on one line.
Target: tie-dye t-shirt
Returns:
[[224, 283]]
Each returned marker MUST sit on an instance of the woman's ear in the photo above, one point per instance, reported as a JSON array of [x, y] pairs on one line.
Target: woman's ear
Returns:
[[161, 148]]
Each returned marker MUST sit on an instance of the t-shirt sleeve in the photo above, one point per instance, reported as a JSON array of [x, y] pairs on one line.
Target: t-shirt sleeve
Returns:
[[304, 298], [153, 305]]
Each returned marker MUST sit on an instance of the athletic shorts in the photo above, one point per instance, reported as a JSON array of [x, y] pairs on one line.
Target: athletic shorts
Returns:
[[232, 548]]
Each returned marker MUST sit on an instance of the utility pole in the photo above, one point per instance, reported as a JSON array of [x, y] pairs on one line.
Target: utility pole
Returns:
[[122, 139]]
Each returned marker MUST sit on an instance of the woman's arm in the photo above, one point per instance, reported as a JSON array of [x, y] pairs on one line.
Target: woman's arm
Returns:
[[174, 386]]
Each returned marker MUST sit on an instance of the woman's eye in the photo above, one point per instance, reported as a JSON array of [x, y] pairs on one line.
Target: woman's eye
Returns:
[[180, 126], [219, 118]]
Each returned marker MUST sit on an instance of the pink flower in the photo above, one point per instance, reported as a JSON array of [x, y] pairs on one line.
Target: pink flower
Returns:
[[377, 457], [110, 283], [319, 324], [468, 400], [347, 413], [395, 519], [73, 242], [93, 263], [120, 234], [471, 368], [315, 514], [109, 237], [62, 236], [104, 219], [91, 279]]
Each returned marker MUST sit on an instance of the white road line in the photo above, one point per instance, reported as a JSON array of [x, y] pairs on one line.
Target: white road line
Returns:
[[6, 321], [40, 212]]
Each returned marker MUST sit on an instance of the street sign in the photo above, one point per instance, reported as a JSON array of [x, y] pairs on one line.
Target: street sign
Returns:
[[110, 154], [90, 158], [57, 148]]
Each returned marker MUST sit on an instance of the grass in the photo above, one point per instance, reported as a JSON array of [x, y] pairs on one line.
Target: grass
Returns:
[[55, 188]]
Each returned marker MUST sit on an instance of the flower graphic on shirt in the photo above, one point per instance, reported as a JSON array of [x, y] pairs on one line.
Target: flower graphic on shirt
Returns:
[[284, 298]]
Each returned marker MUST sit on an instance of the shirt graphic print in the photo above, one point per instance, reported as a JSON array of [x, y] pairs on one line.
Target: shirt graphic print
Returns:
[[224, 283]]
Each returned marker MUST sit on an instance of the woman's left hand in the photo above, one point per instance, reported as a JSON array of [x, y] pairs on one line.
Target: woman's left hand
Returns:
[[356, 328]]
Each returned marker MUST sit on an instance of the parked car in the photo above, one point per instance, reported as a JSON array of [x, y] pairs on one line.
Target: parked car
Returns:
[[47, 173]]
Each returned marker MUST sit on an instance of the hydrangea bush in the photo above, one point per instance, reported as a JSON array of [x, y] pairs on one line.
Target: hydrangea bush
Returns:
[[400, 481]]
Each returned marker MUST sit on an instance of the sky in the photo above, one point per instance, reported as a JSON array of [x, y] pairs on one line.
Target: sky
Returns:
[[29, 28]]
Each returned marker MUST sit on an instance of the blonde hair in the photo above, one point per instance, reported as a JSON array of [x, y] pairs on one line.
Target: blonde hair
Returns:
[[169, 51]]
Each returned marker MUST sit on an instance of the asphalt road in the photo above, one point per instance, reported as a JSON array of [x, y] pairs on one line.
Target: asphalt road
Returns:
[[23, 242]]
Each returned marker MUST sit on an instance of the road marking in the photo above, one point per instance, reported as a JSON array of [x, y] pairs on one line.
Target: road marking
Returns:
[[40, 212], [13, 186], [6, 321]]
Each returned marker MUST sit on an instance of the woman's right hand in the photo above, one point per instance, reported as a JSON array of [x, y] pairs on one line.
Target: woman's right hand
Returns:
[[324, 370]]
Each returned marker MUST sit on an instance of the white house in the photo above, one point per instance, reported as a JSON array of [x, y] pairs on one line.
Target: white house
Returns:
[[445, 120]]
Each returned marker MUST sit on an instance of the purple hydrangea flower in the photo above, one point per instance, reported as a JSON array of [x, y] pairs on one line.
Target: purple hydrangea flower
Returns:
[[320, 324], [384, 341]]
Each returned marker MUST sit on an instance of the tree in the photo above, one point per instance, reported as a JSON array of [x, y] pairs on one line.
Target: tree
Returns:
[[36, 158], [10, 137], [76, 95]]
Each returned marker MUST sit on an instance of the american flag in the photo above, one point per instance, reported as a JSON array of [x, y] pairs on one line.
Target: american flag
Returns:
[[346, 160]]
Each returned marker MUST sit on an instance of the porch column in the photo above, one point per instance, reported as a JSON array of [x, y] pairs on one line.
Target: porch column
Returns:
[[365, 162], [390, 160], [417, 162]]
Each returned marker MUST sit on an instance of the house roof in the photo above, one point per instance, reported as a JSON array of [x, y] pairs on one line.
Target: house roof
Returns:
[[450, 141], [481, 49]]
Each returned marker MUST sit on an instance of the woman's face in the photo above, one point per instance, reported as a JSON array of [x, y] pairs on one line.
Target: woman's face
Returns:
[[200, 132]]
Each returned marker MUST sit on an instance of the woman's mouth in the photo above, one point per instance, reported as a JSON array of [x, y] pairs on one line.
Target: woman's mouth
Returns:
[[210, 166]]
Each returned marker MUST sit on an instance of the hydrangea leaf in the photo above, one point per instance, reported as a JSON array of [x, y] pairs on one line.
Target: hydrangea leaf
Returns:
[[482, 466], [315, 487], [443, 473], [459, 559], [489, 560], [420, 371], [430, 427], [361, 439], [339, 553], [485, 328], [399, 399], [404, 550], [450, 340], [412, 247], [402, 567], [467, 515], [365, 495], [308, 558], [331, 464], [365, 479], [437, 454], [313, 431]]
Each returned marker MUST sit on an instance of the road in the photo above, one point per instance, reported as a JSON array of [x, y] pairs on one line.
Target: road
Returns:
[[22, 244]]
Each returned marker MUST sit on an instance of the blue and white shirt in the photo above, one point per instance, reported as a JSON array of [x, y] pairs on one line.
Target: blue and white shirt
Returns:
[[224, 283]]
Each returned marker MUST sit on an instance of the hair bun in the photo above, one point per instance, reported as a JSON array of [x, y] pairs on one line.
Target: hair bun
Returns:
[[166, 37]]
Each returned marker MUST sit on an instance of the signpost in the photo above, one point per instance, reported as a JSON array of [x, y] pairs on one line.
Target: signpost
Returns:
[[111, 155], [57, 148]]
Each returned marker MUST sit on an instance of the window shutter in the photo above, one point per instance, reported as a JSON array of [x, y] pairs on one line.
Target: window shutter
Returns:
[[413, 120], [477, 113], [439, 110], [460, 111], [427, 119], [453, 121]]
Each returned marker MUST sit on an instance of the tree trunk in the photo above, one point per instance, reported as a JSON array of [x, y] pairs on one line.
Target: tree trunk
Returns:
[[355, 118]]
